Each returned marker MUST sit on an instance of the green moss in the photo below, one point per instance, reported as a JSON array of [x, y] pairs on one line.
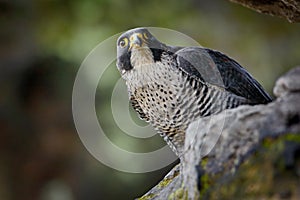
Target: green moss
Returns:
[[262, 176], [204, 162], [165, 182], [146, 197], [267, 143], [293, 137], [270, 142], [180, 194], [205, 183], [204, 180]]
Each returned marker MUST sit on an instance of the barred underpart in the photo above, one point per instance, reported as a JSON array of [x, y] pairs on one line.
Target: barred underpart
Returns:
[[169, 99]]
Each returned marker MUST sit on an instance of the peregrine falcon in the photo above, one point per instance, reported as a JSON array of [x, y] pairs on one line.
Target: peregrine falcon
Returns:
[[171, 86]]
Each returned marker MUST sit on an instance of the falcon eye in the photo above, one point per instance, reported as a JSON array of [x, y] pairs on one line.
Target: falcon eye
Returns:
[[123, 43], [145, 36]]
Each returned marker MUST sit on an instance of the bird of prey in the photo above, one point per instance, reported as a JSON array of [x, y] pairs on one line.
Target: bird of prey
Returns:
[[170, 86]]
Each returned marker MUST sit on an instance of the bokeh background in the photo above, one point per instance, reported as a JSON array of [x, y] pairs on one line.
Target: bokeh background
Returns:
[[42, 44]]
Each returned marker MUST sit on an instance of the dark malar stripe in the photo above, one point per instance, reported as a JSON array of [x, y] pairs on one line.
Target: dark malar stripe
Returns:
[[124, 62], [156, 54]]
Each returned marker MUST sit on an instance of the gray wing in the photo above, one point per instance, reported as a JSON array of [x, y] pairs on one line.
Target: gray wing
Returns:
[[209, 66]]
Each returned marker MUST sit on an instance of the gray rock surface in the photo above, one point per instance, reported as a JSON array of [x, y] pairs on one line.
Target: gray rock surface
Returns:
[[217, 145]]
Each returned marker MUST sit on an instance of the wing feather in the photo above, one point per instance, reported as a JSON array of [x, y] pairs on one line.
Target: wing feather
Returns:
[[213, 67]]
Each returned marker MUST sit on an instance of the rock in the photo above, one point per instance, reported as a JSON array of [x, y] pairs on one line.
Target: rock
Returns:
[[288, 83], [216, 146]]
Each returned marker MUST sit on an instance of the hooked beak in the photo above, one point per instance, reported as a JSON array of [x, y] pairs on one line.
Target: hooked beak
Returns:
[[136, 41]]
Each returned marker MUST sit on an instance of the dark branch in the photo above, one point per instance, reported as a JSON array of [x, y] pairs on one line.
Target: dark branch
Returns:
[[289, 9]]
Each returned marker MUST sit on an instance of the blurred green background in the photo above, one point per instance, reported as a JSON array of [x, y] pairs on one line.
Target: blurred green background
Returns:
[[42, 46]]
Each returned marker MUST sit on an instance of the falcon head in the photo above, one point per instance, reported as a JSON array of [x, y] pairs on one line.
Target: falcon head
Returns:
[[137, 47]]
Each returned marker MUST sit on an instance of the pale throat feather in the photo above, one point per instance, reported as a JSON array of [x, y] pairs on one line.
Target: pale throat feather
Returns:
[[141, 56], [143, 64]]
